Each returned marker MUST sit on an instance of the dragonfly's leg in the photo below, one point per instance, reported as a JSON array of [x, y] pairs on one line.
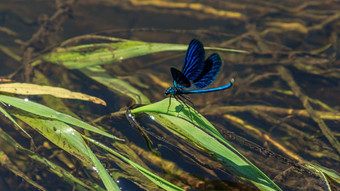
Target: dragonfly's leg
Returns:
[[169, 104], [188, 99]]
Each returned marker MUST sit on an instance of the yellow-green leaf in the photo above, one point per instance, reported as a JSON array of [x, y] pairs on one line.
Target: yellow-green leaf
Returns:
[[34, 89]]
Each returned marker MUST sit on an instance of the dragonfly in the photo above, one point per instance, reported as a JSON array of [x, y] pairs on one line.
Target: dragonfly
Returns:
[[197, 71]]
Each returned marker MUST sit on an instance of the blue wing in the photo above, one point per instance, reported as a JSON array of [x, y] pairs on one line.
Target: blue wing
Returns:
[[211, 69], [179, 79], [194, 60]]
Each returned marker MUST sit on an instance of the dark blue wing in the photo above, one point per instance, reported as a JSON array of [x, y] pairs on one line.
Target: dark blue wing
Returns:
[[194, 60], [211, 69], [179, 79]]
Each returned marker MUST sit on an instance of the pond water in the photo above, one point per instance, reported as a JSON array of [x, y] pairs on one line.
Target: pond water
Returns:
[[282, 112]]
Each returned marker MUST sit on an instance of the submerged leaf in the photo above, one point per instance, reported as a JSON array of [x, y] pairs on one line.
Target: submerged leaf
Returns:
[[154, 178], [100, 75], [324, 172], [290, 26], [7, 163]]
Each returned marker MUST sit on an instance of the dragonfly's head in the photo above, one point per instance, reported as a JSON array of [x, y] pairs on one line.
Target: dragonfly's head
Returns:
[[170, 90]]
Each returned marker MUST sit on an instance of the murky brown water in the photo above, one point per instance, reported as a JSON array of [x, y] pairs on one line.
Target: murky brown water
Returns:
[[280, 113]]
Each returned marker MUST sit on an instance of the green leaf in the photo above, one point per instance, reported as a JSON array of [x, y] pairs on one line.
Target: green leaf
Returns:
[[69, 140], [189, 124], [59, 171], [47, 112], [104, 53], [13, 121]]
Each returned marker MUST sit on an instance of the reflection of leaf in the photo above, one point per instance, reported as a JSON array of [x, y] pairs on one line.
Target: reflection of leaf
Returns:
[[34, 89], [100, 75], [104, 53], [188, 123], [47, 112], [69, 140]]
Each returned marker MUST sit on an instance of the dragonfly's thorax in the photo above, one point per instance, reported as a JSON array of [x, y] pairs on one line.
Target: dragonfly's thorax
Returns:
[[172, 91]]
